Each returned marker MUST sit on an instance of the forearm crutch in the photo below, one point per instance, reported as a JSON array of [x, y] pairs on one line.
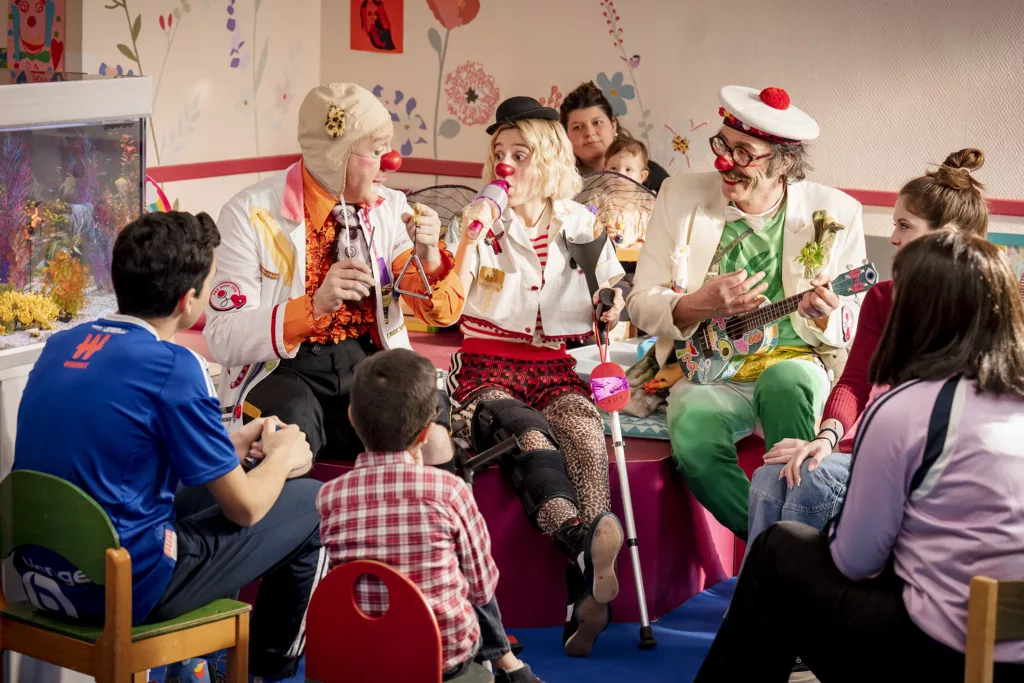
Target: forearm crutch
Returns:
[[611, 391]]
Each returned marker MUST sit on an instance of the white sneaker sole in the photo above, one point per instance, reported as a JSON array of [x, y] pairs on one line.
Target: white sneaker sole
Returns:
[[607, 542]]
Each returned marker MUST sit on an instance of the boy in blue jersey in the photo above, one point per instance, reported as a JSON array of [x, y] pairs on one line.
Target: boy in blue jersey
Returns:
[[138, 416]]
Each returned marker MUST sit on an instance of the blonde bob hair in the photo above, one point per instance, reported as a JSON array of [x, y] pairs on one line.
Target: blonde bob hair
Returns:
[[552, 153]]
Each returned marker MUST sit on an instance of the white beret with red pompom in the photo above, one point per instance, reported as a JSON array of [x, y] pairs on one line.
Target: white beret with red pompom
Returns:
[[766, 114]]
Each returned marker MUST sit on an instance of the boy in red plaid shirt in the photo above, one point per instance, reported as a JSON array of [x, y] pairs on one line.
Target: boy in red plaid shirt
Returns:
[[420, 520]]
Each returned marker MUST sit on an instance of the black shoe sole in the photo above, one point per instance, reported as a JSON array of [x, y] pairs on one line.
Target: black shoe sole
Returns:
[[592, 618]]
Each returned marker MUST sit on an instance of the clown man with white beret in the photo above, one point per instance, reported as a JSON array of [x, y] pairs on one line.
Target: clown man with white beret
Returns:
[[719, 244]]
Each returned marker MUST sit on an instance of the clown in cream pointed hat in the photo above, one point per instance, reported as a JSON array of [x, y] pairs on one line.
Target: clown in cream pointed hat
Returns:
[[766, 114]]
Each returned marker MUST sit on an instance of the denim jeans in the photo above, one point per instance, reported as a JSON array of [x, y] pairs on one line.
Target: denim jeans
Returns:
[[815, 501], [493, 641]]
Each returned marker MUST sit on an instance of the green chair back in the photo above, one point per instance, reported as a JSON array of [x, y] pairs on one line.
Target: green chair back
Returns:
[[44, 510]]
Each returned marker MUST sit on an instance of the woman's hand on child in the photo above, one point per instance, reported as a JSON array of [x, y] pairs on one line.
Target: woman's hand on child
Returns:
[[347, 280], [791, 453]]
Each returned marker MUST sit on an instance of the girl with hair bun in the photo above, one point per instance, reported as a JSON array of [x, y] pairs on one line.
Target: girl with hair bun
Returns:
[[806, 481]]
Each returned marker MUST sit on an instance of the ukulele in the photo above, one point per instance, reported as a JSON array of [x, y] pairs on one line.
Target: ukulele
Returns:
[[718, 348]]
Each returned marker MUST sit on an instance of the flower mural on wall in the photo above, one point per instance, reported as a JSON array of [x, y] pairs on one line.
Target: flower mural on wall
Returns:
[[473, 94], [615, 92], [612, 19], [408, 124], [169, 24], [451, 14], [553, 100], [240, 56], [281, 114], [454, 13], [681, 141]]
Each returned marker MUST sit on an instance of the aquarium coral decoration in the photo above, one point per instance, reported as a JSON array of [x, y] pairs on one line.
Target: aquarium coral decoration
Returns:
[[25, 310], [64, 281], [16, 181], [114, 210]]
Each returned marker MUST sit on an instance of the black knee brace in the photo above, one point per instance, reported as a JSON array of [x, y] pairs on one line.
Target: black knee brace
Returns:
[[538, 475]]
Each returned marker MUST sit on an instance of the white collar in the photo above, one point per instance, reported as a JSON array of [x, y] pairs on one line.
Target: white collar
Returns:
[[755, 220], [132, 320]]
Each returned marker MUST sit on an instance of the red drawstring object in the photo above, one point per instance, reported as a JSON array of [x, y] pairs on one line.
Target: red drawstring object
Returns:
[[392, 161]]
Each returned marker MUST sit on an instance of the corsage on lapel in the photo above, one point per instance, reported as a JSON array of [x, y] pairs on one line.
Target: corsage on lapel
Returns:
[[492, 241], [814, 255]]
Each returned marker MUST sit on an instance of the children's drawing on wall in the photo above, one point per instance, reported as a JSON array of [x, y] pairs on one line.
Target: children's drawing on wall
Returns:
[[451, 14], [644, 126], [377, 25], [409, 125], [35, 35]]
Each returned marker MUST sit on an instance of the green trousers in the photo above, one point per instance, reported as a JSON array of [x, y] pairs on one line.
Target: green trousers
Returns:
[[706, 420]]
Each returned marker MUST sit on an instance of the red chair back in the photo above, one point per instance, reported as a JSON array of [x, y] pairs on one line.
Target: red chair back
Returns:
[[344, 644]]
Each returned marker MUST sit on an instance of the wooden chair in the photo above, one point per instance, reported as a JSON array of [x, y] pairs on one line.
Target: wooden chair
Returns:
[[43, 510], [995, 612], [343, 643]]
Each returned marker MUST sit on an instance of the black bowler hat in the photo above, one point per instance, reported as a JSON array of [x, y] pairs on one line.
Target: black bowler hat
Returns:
[[519, 108]]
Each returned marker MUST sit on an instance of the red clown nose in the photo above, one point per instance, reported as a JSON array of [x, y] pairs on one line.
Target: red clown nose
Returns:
[[392, 161], [504, 170], [724, 164]]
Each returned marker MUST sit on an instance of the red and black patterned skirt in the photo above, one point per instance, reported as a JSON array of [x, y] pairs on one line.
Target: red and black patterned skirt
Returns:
[[536, 376]]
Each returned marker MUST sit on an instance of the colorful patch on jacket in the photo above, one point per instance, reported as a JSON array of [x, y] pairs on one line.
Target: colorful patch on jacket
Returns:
[[847, 323], [227, 296]]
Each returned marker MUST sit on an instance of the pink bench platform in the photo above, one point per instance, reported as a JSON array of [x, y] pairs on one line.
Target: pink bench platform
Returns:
[[683, 550]]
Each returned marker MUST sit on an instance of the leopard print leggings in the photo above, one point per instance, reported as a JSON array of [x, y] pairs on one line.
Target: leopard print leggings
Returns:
[[577, 426]]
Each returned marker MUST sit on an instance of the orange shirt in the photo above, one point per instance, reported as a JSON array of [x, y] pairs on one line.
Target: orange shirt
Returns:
[[354, 320]]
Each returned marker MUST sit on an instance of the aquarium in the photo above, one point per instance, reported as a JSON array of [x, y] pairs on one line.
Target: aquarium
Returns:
[[72, 171]]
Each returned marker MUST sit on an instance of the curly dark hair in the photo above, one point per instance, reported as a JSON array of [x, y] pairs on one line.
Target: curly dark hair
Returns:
[[585, 96], [158, 258]]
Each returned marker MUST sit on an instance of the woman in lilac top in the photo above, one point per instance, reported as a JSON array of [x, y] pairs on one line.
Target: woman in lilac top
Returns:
[[934, 497]]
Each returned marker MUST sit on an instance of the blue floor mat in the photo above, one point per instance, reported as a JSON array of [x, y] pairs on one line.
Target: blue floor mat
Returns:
[[684, 637]]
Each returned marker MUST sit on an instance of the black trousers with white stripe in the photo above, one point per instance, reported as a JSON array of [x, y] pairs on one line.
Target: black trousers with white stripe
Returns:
[[216, 558]]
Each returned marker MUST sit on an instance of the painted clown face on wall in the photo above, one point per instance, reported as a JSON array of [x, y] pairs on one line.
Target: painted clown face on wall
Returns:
[[31, 21]]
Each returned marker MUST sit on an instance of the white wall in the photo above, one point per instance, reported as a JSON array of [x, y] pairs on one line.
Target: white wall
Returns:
[[204, 109], [894, 85]]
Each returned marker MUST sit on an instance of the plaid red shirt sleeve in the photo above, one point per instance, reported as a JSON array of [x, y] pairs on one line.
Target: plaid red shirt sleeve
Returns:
[[473, 546]]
